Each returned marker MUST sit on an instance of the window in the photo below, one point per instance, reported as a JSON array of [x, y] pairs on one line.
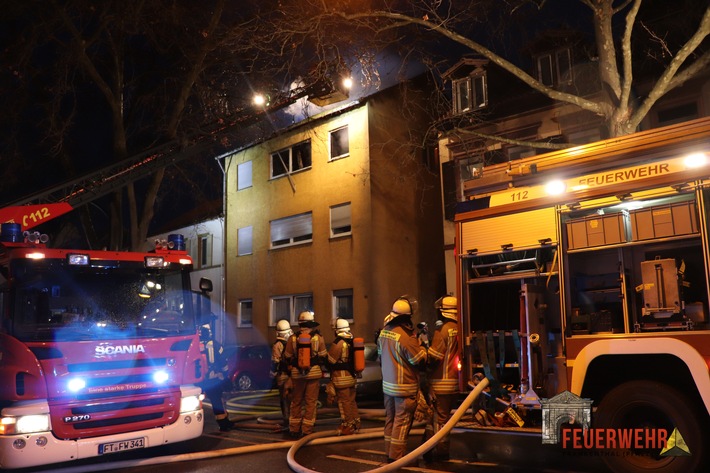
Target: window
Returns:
[[470, 93], [288, 307], [339, 143], [518, 152], [244, 318], [244, 241], [244, 175], [204, 259], [585, 136], [343, 304], [471, 168], [292, 230], [555, 68], [678, 114], [340, 220], [291, 159]]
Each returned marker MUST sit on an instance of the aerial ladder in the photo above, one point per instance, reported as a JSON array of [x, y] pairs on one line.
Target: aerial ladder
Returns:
[[36, 208]]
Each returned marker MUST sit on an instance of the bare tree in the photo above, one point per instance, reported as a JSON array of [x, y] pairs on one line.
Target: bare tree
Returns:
[[629, 35], [110, 79]]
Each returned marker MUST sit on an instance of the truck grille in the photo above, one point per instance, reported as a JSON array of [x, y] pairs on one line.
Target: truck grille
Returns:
[[115, 414]]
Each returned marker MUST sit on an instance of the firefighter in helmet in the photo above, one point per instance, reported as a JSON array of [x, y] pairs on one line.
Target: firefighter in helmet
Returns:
[[280, 371], [401, 357], [341, 363], [305, 352], [444, 373], [217, 379]]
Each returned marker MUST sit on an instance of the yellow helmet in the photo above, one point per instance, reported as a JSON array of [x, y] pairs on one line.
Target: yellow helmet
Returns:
[[402, 306], [448, 306]]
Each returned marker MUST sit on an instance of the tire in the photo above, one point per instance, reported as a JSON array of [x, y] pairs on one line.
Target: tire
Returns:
[[648, 404], [244, 382]]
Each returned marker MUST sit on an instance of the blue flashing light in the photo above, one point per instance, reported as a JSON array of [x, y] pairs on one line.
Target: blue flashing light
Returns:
[[176, 241], [11, 232]]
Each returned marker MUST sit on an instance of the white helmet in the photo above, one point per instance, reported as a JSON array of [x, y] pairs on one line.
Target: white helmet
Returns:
[[342, 326], [283, 328], [307, 319], [448, 306], [402, 306]]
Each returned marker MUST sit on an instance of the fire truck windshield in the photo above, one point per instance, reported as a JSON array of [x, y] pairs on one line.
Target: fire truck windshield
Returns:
[[60, 303]]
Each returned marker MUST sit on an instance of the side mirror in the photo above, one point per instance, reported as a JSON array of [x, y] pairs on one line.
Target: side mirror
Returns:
[[205, 285]]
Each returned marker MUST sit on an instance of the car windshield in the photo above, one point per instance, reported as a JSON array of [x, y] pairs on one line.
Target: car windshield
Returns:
[[62, 303]]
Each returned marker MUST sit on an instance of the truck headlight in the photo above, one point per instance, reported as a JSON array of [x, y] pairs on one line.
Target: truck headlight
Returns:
[[24, 424], [190, 404]]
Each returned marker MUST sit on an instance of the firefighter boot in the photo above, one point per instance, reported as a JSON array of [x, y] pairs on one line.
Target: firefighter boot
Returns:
[[224, 423]]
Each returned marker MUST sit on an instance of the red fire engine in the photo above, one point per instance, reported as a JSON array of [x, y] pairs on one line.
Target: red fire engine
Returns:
[[99, 350], [583, 274]]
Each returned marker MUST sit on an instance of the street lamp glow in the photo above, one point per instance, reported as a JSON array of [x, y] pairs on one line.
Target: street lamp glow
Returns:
[[348, 83], [259, 100]]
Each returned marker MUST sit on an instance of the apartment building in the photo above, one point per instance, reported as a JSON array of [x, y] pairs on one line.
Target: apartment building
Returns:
[[339, 214]]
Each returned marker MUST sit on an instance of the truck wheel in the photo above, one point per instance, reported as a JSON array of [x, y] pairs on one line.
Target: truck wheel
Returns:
[[652, 405], [244, 382]]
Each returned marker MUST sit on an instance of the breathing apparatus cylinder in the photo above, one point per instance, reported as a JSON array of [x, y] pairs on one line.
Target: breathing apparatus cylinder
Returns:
[[359, 354], [304, 351]]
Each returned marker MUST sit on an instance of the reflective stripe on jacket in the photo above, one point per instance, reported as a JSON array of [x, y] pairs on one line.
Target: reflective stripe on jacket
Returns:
[[443, 352], [400, 353]]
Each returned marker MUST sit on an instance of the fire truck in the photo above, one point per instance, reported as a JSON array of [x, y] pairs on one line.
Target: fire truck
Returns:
[[99, 350], [582, 277]]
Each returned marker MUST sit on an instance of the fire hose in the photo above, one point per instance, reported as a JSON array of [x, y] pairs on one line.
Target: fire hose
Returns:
[[408, 458], [314, 438]]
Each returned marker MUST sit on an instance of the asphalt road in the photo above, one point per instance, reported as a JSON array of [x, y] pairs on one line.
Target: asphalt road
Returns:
[[259, 445]]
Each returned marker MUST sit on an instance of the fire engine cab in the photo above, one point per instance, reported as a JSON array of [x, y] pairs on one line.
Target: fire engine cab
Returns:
[[99, 351]]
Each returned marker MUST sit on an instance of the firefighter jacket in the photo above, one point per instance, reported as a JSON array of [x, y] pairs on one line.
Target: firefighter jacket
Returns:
[[340, 362], [279, 367], [318, 355], [400, 357], [217, 366], [443, 356]]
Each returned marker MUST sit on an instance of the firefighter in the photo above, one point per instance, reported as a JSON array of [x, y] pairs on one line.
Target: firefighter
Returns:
[[217, 379], [401, 357], [341, 363], [444, 374], [280, 370], [305, 352]]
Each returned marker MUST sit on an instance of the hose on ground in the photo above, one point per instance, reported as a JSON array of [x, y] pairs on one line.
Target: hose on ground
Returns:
[[405, 460], [363, 435]]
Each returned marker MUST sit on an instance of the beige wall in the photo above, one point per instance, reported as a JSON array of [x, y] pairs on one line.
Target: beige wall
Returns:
[[389, 251]]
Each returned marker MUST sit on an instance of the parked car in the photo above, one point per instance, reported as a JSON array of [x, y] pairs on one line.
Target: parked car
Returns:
[[370, 382], [249, 367]]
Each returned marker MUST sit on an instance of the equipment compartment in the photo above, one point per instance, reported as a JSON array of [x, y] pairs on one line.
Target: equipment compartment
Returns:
[[597, 230], [664, 221]]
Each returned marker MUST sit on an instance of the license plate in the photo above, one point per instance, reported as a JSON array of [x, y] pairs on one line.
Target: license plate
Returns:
[[121, 446]]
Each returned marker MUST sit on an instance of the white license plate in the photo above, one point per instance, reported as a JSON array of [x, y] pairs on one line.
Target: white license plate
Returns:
[[124, 445]]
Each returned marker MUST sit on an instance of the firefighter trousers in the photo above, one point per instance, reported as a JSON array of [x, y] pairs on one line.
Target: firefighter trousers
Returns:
[[349, 417], [302, 418], [442, 413], [399, 415]]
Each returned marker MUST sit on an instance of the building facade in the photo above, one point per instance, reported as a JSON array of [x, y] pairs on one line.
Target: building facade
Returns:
[[337, 215]]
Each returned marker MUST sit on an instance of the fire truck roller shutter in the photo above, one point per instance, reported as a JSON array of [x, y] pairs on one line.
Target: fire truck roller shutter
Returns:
[[524, 229]]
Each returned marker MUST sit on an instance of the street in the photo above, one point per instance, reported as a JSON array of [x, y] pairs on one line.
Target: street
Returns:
[[257, 444]]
